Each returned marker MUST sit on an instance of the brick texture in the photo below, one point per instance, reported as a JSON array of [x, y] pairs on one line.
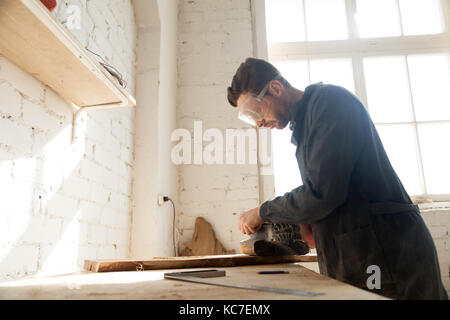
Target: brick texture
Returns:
[[214, 38], [438, 222], [61, 201]]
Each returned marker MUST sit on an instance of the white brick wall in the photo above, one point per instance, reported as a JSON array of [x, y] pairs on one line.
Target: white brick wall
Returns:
[[214, 38], [64, 202], [438, 222]]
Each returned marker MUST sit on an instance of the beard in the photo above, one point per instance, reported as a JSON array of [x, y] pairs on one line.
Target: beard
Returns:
[[282, 120], [282, 124]]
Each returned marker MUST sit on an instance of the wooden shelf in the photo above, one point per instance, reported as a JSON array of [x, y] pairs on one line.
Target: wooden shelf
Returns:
[[34, 40]]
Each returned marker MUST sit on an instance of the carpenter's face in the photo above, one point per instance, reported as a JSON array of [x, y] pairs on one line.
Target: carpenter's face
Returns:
[[270, 112]]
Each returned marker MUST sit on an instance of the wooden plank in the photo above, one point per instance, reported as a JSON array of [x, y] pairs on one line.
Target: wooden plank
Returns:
[[35, 41], [231, 260], [151, 285]]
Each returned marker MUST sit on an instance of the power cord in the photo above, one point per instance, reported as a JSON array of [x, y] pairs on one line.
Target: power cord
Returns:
[[111, 69], [166, 198]]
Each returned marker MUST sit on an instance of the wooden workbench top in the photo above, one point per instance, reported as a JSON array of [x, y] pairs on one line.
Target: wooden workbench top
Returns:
[[138, 285]]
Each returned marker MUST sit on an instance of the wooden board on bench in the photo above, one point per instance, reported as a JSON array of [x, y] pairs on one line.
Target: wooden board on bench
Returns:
[[232, 260]]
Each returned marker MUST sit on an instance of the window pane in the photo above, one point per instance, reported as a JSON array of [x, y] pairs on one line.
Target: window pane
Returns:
[[387, 87], [421, 17], [400, 144], [326, 20], [286, 171], [285, 21], [371, 12], [295, 71], [430, 83], [434, 139], [334, 71]]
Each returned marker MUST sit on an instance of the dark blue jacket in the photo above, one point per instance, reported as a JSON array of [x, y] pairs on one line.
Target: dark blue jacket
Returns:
[[360, 212]]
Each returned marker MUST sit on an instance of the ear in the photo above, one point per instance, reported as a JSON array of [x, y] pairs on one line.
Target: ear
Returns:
[[241, 99], [276, 88]]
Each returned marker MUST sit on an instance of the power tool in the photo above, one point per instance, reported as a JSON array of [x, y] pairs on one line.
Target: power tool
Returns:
[[275, 239]]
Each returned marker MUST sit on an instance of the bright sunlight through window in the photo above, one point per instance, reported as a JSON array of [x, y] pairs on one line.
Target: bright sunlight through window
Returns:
[[394, 55]]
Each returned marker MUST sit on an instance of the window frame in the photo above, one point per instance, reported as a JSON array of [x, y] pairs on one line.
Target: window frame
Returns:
[[356, 49]]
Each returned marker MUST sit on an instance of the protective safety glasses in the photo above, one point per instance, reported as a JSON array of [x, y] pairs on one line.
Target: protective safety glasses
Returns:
[[251, 110]]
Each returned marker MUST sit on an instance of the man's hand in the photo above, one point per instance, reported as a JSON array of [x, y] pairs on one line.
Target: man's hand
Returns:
[[250, 221], [307, 235]]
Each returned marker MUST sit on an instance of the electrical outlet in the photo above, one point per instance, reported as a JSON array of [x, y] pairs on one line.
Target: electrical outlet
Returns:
[[160, 200]]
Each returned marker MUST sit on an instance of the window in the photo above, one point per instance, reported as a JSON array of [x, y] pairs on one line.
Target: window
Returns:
[[394, 55]]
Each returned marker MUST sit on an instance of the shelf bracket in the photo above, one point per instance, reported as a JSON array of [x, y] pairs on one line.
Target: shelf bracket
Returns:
[[79, 111]]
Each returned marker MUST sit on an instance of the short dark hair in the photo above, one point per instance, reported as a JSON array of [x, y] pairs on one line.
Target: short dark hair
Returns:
[[251, 76]]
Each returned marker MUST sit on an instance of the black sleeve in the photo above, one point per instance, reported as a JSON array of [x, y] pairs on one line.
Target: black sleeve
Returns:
[[334, 144]]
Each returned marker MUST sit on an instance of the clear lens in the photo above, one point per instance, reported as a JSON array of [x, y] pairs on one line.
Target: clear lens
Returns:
[[250, 111], [249, 116]]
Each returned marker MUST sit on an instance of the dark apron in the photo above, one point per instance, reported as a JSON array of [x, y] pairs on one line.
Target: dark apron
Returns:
[[391, 236]]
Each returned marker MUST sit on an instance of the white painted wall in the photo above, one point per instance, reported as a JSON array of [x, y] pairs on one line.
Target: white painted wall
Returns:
[[167, 120], [156, 119], [61, 203], [145, 184]]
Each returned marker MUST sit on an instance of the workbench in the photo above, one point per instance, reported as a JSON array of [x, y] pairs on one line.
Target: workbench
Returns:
[[138, 285]]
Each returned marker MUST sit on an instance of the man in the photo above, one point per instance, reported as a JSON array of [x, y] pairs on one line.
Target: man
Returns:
[[360, 213]]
